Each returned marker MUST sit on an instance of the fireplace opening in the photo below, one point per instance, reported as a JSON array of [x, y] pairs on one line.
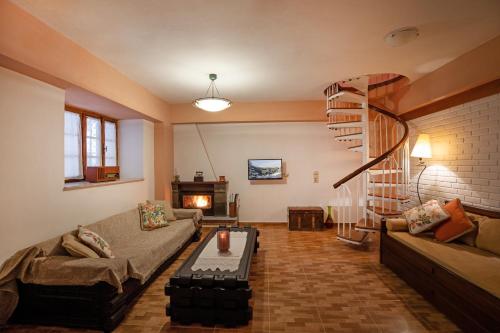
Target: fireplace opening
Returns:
[[202, 201]]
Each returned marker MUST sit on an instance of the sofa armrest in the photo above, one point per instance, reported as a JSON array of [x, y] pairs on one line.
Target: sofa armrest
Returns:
[[195, 214], [396, 224]]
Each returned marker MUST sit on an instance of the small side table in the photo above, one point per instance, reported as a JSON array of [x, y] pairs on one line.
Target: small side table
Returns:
[[306, 218]]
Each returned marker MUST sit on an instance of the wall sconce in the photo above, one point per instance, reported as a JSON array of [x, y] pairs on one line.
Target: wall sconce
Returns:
[[422, 149]]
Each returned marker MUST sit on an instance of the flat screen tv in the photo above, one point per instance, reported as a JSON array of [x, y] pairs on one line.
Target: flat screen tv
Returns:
[[265, 169]]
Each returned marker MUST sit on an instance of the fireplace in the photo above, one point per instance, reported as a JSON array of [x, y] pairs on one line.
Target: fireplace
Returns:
[[211, 197], [202, 201]]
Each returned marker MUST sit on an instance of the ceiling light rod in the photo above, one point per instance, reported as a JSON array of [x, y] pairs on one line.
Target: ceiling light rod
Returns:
[[212, 103]]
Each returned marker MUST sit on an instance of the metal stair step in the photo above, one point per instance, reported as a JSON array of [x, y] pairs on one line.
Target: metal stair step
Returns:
[[367, 226], [384, 171], [347, 96], [360, 83], [348, 137], [358, 148], [389, 195], [346, 124], [356, 237], [355, 111], [384, 212]]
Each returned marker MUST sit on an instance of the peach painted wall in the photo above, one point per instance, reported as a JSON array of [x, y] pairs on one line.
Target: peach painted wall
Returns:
[[31, 47], [29, 41], [251, 112], [32, 201], [164, 157], [470, 70]]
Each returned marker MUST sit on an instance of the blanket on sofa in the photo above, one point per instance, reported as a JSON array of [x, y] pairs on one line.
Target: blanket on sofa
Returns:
[[13, 267], [31, 265], [138, 254]]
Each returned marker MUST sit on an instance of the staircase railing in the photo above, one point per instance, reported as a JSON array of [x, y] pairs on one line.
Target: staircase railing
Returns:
[[377, 188], [384, 155]]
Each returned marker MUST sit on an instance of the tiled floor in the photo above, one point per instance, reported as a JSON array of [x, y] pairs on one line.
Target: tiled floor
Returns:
[[304, 282]]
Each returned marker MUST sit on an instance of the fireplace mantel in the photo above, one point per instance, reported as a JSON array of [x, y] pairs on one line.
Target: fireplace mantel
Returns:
[[217, 190]]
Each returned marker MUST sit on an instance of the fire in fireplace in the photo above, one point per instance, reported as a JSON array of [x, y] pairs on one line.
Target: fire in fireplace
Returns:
[[202, 201]]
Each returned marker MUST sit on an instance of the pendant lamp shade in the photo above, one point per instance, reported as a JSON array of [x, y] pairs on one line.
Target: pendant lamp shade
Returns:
[[212, 103]]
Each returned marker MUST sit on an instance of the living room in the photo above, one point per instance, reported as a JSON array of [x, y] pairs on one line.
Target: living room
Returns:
[[355, 146]]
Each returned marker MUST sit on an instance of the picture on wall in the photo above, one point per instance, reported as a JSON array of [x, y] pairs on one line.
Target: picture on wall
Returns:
[[265, 169]]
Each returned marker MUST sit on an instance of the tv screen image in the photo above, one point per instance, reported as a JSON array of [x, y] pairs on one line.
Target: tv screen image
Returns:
[[265, 169]]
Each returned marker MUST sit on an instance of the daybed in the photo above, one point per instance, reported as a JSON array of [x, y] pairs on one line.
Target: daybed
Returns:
[[55, 288], [462, 281]]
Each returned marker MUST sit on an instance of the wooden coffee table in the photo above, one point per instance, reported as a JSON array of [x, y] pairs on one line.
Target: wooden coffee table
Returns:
[[212, 297]]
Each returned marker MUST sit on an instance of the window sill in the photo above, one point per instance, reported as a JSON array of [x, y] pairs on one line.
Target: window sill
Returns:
[[84, 184]]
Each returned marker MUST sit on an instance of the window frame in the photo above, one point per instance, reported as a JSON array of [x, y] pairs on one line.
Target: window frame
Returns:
[[83, 122]]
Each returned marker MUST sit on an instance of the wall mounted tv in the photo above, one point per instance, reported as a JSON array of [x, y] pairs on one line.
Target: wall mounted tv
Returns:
[[265, 169]]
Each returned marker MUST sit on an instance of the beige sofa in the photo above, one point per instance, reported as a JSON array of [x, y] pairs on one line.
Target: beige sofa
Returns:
[[462, 281], [51, 287]]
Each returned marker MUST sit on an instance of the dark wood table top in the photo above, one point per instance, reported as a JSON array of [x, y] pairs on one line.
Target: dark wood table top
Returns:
[[186, 277]]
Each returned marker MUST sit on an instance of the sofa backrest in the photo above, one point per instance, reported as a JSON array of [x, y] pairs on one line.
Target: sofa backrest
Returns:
[[119, 228]]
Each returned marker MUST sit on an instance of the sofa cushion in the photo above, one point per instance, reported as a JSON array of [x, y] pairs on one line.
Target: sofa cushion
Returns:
[[148, 250], [488, 235], [470, 237], [76, 248], [457, 225], [152, 216], [169, 212], [479, 267], [95, 242], [425, 217]]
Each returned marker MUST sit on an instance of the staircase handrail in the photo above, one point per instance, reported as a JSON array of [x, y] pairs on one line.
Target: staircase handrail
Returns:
[[385, 154]]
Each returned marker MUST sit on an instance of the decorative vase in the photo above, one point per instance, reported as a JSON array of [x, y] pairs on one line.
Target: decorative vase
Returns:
[[329, 219]]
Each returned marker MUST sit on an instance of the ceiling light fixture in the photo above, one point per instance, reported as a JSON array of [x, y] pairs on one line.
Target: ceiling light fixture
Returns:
[[212, 103], [401, 36]]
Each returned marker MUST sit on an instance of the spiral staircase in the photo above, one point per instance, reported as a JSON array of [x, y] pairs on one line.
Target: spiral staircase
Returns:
[[359, 112]]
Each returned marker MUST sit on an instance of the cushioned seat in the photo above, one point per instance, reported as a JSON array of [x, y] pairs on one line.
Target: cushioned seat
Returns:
[[479, 267], [149, 249]]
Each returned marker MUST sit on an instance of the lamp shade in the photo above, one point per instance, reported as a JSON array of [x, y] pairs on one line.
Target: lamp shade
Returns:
[[212, 104], [422, 148]]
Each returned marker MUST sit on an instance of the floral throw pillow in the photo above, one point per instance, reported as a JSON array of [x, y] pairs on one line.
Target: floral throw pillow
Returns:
[[426, 216], [95, 242], [153, 216]]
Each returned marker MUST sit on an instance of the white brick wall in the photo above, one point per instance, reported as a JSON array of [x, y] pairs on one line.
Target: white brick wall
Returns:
[[465, 160]]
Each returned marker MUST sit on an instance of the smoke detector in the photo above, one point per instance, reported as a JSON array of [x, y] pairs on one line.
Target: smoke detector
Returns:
[[401, 36]]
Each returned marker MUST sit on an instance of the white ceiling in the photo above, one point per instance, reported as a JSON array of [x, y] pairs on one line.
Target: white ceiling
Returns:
[[266, 49]]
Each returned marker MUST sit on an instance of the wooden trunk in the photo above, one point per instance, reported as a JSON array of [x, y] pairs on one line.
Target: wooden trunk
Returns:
[[305, 218]]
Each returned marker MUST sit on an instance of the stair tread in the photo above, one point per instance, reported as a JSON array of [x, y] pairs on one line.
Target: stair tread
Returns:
[[344, 108], [357, 237], [381, 181], [345, 94], [346, 135], [368, 225], [385, 212], [346, 122], [381, 167], [389, 195]]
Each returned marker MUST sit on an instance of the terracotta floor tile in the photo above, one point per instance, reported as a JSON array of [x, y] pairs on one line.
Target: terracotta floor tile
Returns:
[[302, 282]]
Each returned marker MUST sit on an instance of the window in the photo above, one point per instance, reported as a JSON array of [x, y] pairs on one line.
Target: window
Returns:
[[110, 143], [94, 154], [89, 140], [73, 168]]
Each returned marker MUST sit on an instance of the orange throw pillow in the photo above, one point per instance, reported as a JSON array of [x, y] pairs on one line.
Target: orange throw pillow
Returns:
[[457, 225]]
